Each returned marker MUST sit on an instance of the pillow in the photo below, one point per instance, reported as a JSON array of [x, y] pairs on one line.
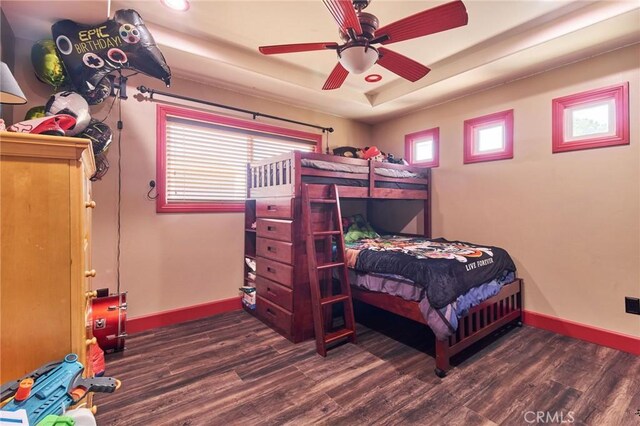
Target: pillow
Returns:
[[358, 229]]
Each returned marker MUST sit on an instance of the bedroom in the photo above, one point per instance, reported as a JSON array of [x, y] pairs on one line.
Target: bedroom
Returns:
[[569, 220]]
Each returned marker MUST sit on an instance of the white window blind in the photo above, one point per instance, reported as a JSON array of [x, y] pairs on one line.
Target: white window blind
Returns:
[[206, 162]]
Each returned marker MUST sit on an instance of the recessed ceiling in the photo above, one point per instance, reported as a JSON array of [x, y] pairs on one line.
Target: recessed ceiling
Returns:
[[216, 42]]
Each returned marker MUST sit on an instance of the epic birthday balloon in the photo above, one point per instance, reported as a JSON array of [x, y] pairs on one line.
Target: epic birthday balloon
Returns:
[[90, 52]]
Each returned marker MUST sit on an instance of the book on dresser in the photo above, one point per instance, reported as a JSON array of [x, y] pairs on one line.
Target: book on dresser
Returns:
[[46, 209]]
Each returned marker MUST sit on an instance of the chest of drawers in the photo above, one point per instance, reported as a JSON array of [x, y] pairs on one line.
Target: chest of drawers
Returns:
[[45, 251], [282, 284]]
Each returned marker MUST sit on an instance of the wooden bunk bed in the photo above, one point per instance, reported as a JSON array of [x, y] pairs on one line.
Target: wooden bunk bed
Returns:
[[274, 239]]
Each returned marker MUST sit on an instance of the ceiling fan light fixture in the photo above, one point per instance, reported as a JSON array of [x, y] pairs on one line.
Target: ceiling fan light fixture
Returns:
[[179, 5], [358, 58]]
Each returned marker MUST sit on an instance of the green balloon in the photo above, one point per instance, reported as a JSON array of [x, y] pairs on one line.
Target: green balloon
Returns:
[[47, 64], [35, 112]]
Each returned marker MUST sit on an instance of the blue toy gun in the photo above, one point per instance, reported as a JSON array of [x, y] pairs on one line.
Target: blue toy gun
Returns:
[[55, 387]]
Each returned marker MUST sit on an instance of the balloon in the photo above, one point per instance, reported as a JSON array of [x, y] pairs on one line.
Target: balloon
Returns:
[[100, 93], [100, 135], [47, 64], [90, 52], [73, 104], [35, 112]]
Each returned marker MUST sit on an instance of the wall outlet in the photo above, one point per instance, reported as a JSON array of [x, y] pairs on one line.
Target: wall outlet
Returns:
[[632, 305]]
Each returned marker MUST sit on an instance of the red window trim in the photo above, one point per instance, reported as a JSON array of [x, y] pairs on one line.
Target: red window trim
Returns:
[[162, 111], [619, 93], [409, 140], [504, 117]]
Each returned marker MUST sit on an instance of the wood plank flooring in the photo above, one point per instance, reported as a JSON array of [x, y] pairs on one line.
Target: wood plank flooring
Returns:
[[232, 369]]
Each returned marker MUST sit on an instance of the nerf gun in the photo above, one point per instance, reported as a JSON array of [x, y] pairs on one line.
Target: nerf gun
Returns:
[[52, 389]]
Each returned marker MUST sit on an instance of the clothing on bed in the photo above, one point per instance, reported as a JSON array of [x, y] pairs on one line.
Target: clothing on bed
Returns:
[[446, 269]]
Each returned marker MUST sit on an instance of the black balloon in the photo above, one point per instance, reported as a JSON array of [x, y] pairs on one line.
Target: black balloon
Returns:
[[100, 135], [90, 52], [100, 93]]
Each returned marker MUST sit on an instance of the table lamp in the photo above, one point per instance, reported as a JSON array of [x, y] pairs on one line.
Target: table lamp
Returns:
[[10, 92]]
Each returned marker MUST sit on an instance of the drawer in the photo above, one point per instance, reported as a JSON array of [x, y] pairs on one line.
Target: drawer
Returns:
[[276, 250], [275, 208], [275, 229], [273, 315], [275, 271], [276, 293]]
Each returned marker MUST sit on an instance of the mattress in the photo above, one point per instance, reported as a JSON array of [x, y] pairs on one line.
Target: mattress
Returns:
[[321, 180], [443, 321], [350, 168]]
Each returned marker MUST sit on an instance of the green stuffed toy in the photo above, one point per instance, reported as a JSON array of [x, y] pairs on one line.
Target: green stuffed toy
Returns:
[[358, 229]]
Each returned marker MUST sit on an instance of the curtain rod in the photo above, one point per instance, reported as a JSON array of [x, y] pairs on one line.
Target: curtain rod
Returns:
[[143, 89]]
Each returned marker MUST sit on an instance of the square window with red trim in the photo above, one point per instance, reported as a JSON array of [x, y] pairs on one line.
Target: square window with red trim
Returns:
[[591, 119], [202, 158], [489, 137], [423, 148]]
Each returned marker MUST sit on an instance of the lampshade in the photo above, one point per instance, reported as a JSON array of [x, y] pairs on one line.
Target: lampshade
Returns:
[[357, 59], [10, 92]]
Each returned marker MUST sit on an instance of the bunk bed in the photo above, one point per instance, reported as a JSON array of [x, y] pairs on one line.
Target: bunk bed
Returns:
[[275, 250]]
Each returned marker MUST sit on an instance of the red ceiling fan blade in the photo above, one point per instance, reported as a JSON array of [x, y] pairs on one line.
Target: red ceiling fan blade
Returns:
[[344, 14], [336, 78], [300, 47], [431, 21], [401, 65]]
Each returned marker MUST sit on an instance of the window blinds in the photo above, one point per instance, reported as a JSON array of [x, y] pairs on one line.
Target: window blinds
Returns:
[[207, 162]]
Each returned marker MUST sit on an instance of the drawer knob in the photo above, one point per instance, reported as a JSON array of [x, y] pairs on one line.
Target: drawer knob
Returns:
[[91, 294], [272, 208], [91, 341], [270, 228], [90, 204], [270, 269], [91, 273]]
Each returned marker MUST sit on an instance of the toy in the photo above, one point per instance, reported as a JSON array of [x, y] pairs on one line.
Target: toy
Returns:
[[373, 153], [358, 228], [53, 388], [53, 125]]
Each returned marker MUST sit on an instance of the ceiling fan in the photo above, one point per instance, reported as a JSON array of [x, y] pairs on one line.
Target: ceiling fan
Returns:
[[359, 32]]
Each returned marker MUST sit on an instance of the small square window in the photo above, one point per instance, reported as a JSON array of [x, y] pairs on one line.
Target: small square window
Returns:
[[489, 137], [422, 148], [592, 119]]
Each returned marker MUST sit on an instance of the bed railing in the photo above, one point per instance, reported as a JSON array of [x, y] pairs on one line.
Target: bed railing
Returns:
[[281, 176]]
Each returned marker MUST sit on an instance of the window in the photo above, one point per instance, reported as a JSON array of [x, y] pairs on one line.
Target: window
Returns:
[[423, 148], [489, 137], [592, 119], [202, 158]]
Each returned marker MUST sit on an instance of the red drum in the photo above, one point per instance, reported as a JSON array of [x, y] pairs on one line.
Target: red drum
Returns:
[[109, 321]]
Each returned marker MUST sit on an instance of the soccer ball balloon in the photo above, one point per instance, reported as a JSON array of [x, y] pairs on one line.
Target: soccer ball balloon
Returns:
[[73, 104]]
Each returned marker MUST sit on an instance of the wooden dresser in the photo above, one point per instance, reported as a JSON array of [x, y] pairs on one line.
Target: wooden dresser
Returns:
[[46, 251], [282, 283]]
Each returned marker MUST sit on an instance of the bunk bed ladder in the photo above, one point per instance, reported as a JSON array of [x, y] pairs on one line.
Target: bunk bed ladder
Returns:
[[322, 301]]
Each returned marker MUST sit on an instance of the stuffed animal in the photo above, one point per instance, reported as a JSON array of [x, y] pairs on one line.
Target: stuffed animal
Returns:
[[358, 229]]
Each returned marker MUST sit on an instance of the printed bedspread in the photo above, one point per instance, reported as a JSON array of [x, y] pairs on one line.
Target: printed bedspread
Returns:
[[446, 269]]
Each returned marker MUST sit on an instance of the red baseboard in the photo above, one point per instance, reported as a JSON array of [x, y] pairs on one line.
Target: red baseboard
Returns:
[[175, 316], [611, 339]]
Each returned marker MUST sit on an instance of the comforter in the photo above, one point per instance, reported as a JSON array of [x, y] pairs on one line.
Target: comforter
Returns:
[[446, 269]]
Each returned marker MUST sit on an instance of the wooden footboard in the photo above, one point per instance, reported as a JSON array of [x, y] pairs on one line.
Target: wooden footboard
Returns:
[[480, 321]]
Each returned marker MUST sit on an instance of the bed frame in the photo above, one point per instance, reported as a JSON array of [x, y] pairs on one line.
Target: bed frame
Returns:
[[274, 194]]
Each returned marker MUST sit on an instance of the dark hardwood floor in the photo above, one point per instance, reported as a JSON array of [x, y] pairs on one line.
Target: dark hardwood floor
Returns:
[[231, 369]]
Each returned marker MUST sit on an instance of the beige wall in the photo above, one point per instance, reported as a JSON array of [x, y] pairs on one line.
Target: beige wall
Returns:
[[571, 221], [172, 260]]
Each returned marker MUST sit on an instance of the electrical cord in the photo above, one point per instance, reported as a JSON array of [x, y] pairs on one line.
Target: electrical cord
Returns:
[[152, 186], [120, 126]]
